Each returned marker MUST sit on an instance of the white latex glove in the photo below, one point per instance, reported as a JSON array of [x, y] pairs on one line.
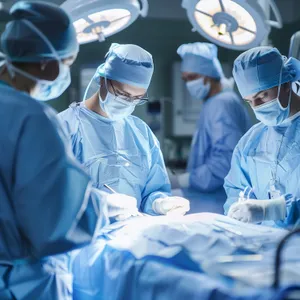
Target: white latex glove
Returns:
[[255, 211], [171, 205], [121, 207], [179, 181]]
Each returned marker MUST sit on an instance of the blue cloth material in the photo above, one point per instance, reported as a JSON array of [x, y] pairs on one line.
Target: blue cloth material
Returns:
[[21, 44], [205, 202], [223, 121], [138, 264], [48, 205], [212, 202], [265, 152], [259, 69], [201, 58], [123, 154], [129, 64]]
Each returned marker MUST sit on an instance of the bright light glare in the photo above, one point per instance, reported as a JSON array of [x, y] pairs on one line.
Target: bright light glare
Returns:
[[244, 19], [118, 18], [222, 29]]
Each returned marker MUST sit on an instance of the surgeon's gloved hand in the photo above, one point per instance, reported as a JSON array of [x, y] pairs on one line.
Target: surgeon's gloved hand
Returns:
[[121, 207], [178, 181], [255, 211], [171, 205]]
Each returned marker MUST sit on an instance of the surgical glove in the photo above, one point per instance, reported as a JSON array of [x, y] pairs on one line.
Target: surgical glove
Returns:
[[121, 207], [255, 211], [171, 205]]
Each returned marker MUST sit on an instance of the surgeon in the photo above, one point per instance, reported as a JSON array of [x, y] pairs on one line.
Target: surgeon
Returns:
[[117, 149], [263, 183], [222, 122], [48, 205]]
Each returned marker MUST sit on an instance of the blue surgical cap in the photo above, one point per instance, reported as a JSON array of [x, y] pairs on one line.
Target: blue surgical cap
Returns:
[[129, 64], [21, 43], [201, 58], [262, 68]]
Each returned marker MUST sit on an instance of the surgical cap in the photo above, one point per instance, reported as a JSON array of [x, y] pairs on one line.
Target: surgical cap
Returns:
[[21, 43], [201, 58], [262, 68], [129, 64]]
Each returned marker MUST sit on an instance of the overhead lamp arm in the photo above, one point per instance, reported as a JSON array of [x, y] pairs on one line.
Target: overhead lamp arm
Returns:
[[144, 8], [278, 20]]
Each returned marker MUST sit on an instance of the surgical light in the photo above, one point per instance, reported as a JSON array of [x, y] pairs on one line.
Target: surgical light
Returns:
[[233, 24], [97, 19]]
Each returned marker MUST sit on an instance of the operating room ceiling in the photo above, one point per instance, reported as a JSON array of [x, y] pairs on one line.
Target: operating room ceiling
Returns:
[[171, 9]]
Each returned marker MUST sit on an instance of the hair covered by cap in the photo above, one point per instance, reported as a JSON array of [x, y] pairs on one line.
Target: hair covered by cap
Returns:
[[129, 64], [20, 43], [201, 58], [263, 68]]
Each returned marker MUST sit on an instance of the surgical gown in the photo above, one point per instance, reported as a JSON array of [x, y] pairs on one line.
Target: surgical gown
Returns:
[[223, 121], [266, 155], [47, 203], [123, 154]]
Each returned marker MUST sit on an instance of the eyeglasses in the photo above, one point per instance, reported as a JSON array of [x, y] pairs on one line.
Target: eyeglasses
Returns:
[[132, 100]]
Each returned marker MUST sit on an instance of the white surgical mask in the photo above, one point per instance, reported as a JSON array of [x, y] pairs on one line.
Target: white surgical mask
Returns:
[[198, 89], [45, 89], [116, 108]]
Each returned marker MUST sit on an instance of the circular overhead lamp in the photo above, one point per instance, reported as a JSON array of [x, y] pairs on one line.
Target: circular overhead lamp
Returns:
[[94, 20], [233, 24]]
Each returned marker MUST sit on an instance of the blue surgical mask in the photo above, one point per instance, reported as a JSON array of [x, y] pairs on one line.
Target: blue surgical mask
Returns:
[[272, 113], [45, 89], [116, 108], [198, 89]]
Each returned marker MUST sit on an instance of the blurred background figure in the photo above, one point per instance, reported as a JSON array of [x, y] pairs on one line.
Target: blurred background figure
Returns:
[[222, 122]]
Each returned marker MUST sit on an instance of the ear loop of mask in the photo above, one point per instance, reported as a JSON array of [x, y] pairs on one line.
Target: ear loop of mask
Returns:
[[87, 90], [105, 79], [279, 85], [278, 93], [90, 83], [279, 89]]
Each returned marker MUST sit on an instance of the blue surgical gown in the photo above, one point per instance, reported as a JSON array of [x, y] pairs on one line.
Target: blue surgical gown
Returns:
[[223, 121], [47, 203], [263, 156], [123, 154]]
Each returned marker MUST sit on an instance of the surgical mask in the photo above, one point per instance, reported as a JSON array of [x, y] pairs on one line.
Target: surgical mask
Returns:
[[198, 89], [116, 108], [272, 113], [45, 89]]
